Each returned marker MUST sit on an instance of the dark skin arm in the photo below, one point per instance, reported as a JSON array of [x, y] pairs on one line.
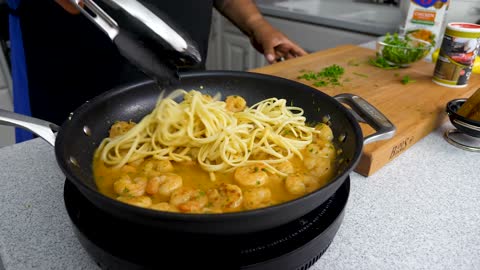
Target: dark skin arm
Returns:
[[263, 36]]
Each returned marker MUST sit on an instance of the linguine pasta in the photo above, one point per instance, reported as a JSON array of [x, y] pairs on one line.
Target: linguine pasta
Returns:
[[201, 129]]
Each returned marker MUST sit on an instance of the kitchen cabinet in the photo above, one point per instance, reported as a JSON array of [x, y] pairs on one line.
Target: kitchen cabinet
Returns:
[[230, 49], [7, 134]]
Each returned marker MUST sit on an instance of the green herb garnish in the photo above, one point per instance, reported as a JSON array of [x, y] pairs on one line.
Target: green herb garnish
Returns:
[[406, 80], [360, 74], [381, 63], [327, 76]]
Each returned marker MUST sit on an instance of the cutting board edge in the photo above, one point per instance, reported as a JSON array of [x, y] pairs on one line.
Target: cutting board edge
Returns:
[[384, 153]]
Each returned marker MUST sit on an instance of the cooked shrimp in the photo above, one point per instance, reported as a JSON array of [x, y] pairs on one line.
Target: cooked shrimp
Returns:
[[164, 184], [257, 198], [128, 169], [164, 206], [325, 133], [323, 150], [235, 103], [285, 167], [188, 199], [226, 196], [125, 186], [136, 163], [299, 184], [141, 201], [156, 167], [120, 128], [251, 176], [318, 159], [318, 166]]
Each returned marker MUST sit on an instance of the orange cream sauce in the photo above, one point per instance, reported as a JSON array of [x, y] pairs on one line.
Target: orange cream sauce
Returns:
[[195, 177]]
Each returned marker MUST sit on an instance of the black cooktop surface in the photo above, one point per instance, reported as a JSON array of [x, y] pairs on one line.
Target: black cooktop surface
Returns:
[[119, 244]]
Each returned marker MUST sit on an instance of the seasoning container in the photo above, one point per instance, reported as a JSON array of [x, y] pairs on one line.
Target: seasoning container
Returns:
[[460, 45], [424, 19]]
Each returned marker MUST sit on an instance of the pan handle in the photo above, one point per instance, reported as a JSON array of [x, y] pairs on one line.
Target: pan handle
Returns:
[[42, 128], [366, 113]]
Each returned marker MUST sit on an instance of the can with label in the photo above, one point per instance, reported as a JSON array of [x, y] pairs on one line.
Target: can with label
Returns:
[[460, 45]]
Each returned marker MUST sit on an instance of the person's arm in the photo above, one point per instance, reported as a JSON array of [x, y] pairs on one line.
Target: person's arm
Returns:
[[264, 37]]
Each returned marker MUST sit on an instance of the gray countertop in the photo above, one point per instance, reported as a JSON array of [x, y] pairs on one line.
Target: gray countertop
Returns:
[[356, 16], [421, 211]]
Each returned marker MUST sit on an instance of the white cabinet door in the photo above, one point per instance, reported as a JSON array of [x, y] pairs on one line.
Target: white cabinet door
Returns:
[[237, 47], [5, 77], [214, 54], [229, 48], [7, 134], [238, 53]]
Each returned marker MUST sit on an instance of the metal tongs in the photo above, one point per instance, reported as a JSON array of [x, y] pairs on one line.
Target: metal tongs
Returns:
[[141, 36]]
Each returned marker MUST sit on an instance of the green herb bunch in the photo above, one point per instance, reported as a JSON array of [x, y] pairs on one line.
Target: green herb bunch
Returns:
[[402, 50]]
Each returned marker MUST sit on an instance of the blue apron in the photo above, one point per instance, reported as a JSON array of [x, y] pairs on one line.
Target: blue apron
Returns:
[[21, 102]]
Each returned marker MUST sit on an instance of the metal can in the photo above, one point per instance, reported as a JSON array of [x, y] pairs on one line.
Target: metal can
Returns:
[[460, 45]]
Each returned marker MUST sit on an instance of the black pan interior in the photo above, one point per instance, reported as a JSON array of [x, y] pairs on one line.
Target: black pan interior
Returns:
[[75, 148]]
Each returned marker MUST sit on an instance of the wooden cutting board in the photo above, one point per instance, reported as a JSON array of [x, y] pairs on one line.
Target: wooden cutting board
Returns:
[[416, 109]]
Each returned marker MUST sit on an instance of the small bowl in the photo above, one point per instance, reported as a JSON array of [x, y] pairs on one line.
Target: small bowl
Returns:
[[402, 56], [463, 124]]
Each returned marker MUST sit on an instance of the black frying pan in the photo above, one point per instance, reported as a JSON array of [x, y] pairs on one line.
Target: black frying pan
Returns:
[[80, 135]]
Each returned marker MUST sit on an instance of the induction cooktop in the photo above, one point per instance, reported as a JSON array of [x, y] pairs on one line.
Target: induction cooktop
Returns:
[[114, 243]]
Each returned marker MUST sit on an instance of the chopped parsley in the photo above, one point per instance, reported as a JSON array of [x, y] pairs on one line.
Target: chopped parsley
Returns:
[[381, 63], [406, 80], [328, 76], [360, 74]]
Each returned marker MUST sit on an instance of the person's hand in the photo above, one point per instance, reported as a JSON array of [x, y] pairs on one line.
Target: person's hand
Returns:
[[68, 6], [273, 43]]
